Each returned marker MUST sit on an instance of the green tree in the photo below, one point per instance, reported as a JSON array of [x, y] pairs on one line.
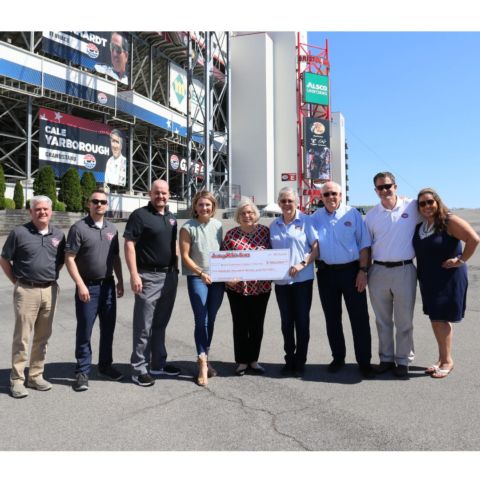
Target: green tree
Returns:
[[18, 197], [44, 183], [71, 191], [89, 185]]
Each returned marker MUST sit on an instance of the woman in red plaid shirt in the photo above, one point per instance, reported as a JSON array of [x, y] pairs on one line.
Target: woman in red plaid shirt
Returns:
[[248, 300]]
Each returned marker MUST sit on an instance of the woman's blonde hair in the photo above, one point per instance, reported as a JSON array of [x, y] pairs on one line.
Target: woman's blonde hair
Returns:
[[198, 196]]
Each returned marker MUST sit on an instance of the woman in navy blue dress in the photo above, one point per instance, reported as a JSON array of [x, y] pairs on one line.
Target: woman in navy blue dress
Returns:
[[442, 271]]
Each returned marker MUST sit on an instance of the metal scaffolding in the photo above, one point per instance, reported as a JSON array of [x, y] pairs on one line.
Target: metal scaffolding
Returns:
[[204, 56]]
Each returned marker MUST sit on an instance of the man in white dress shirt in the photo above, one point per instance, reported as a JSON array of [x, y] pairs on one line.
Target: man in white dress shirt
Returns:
[[392, 279]]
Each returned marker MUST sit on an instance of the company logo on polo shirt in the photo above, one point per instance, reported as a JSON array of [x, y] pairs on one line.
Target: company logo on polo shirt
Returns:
[[348, 223], [110, 236], [55, 242], [92, 50], [89, 161], [172, 221], [404, 215]]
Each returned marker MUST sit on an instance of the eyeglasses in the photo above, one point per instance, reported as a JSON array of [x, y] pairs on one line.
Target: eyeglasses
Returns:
[[424, 203], [327, 194], [386, 186], [286, 201], [99, 202], [116, 48]]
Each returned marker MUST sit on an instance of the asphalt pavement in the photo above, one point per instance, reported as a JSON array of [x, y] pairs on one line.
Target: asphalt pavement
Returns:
[[321, 412]]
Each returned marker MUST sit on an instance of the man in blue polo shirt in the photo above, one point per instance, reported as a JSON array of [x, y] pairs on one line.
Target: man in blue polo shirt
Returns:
[[151, 253], [92, 254], [342, 269]]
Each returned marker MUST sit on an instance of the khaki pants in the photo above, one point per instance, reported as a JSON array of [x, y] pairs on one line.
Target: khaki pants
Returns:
[[392, 295], [34, 310]]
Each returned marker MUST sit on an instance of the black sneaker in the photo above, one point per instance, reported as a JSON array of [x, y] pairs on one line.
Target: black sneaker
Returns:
[[367, 372], [401, 371], [335, 365], [383, 367], [110, 373], [168, 369], [81, 382], [144, 380], [299, 371], [287, 370]]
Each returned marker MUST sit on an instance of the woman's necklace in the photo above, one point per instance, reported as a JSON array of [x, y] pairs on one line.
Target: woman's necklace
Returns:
[[426, 230]]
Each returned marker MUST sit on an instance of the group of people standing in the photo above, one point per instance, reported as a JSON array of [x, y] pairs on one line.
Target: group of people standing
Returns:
[[350, 253]]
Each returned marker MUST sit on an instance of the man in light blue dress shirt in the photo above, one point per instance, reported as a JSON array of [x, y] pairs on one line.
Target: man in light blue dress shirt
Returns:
[[342, 269]]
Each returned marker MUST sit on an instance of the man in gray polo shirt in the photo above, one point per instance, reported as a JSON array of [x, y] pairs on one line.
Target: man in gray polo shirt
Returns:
[[92, 254], [31, 258]]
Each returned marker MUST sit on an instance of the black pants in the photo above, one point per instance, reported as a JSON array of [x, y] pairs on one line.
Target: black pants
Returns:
[[332, 284], [248, 315], [294, 302]]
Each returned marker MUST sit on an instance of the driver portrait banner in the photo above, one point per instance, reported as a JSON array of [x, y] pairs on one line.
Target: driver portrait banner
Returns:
[[317, 154], [67, 141], [91, 50]]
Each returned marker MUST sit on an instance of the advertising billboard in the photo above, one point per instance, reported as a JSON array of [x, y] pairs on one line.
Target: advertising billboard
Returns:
[[178, 93], [66, 141], [315, 88], [317, 155], [103, 52]]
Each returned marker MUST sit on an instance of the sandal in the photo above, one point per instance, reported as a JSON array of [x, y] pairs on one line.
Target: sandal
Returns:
[[441, 373], [211, 371], [431, 369], [202, 379]]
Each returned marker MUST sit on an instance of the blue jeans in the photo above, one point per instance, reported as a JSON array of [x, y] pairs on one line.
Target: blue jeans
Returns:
[[103, 302], [205, 301], [294, 302]]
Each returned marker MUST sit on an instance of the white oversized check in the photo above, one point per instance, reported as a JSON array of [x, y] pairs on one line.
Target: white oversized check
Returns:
[[249, 265]]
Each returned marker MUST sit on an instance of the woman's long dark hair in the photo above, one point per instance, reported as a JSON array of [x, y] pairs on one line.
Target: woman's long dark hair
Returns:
[[440, 218]]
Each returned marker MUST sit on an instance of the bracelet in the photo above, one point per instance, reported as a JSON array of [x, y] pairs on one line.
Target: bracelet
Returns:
[[461, 260], [304, 263], [201, 273]]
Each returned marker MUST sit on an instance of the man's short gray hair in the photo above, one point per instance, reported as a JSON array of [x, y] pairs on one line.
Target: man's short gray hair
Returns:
[[246, 202], [38, 199], [333, 183], [287, 191]]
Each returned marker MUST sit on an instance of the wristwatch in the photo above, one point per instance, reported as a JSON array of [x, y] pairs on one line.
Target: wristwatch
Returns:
[[304, 263], [364, 269]]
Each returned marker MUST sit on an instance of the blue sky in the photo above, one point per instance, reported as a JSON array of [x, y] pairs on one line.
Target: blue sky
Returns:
[[411, 104]]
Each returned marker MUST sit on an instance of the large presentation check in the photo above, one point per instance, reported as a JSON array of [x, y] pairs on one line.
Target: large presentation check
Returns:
[[249, 265]]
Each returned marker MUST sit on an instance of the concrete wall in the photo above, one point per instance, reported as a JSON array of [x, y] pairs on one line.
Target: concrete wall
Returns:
[[252, 129]]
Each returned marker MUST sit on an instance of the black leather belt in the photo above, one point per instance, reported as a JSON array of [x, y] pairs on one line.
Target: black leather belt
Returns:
[[393, 264], [171, 268], [101, 281], [35, 284], [321, 265]]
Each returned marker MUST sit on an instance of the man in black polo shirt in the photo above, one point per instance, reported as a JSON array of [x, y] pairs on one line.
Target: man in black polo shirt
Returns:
[[31, 258], [92, 254], [151, 255]]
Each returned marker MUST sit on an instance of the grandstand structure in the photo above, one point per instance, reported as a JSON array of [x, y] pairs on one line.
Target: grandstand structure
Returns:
[[188, 146]]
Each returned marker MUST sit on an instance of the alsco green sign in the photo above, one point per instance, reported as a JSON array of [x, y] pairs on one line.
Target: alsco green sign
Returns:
[[315, 88]]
